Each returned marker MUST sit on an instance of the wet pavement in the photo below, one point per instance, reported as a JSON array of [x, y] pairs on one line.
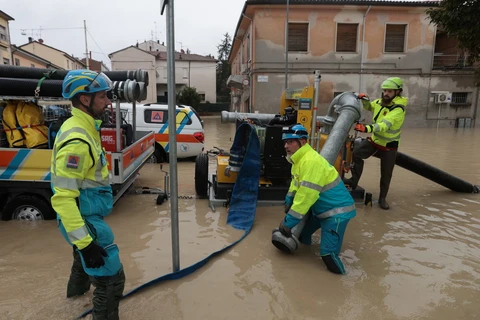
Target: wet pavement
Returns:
[[419, 260]]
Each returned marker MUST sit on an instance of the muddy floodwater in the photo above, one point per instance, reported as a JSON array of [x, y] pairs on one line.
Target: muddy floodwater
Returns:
[[419, 260]]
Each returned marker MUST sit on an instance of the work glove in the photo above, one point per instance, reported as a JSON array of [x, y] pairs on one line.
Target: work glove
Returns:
[[93, 255], [362, 96], [286, 231], [363, 128]]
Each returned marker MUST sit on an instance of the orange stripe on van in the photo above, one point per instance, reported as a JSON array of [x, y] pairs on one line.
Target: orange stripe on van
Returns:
[[6, 157], [159, 137], [135, 152]]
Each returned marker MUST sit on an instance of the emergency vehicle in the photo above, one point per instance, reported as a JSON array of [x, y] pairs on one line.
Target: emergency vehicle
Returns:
[[25, 190], [154, 117]]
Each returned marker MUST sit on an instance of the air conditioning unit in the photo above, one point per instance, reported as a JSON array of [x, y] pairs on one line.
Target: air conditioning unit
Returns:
[[443, 97]]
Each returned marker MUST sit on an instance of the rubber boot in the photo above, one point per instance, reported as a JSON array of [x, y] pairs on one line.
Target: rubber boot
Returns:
[[349, 182], [107, 295], [79, 281], [383, 204], [333, 263]]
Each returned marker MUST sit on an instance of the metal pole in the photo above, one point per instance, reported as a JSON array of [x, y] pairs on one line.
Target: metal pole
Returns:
[[172, 137], [134, 120], [286, 47], [313, 131], [87, 59], [118, 122]]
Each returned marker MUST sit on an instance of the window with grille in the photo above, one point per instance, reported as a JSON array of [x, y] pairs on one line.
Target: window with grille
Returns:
[[347, 37], [298, 37], [460, 98], [395, 37]]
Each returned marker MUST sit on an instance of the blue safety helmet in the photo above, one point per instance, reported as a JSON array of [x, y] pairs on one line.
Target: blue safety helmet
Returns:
[[296, 131], [84, 81]]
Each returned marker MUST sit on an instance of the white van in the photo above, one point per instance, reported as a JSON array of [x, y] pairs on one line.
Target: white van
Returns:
[[154, 117]]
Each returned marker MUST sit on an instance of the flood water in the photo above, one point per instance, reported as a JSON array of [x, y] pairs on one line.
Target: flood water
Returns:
[[419, 260]]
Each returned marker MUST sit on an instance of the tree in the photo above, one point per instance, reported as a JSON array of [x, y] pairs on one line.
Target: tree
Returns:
[[189, 96], [223, 69], [459, 19]]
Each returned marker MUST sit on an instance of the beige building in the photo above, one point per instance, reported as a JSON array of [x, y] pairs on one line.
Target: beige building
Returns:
[[24, 58], [55, 56], [355, 45], [5, 51], [190, 70]]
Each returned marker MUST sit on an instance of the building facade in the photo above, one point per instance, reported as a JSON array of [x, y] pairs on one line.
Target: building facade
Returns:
[[191, 70], [5, 50], [24, 58], [55, 56], [355, 45]]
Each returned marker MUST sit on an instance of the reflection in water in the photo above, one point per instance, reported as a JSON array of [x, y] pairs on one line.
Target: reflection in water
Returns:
[[420, 260]]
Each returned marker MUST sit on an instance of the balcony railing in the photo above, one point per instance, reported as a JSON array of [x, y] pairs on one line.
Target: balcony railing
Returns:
[[450, 61]]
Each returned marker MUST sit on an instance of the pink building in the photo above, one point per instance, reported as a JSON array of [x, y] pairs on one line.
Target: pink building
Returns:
[[355, 45]]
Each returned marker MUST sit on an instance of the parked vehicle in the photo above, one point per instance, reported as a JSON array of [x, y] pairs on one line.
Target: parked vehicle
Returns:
[[154, 117], [25, 156]]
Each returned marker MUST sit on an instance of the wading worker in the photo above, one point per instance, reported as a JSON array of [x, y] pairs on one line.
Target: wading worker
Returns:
[[387, 120], [83, 195], [316, 187]]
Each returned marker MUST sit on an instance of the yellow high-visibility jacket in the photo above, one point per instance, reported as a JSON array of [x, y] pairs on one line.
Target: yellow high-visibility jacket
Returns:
[[387, 121], [80, 177], [316, 186]]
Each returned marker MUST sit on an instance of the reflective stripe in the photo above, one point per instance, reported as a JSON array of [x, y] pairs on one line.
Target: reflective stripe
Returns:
[[73, 184], [387, 139], [389, 124], [78, 234], [295, 214], [335, 211], [376, 127], [311, 185], [295, 183], [393, 131], [291, 194], [332, 184]]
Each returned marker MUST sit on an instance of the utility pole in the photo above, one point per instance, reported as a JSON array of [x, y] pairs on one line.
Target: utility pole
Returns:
[[86, 46], [286, 47], [172, 130]]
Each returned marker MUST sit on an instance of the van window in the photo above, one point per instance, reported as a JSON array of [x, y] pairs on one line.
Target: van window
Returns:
[[161, 117]]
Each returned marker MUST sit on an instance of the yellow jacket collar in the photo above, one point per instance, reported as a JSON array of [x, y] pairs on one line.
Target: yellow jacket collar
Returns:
[[92, 124], [300, 153]]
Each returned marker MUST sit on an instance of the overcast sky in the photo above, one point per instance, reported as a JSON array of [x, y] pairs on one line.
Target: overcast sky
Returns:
[[116, 24]]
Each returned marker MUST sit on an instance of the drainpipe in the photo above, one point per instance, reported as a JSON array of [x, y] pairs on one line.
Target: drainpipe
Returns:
[[362, 57], [476, 107]]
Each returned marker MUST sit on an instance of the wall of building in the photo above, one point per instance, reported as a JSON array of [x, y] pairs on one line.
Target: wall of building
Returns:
[[198, 74], [343, 71], [25, 61], [56, 57], [133, 59], [5, 52]]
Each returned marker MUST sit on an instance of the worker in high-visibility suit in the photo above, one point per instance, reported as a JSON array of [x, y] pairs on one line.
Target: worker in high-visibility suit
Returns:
[[317, 189], [83, 195], [388, 115]]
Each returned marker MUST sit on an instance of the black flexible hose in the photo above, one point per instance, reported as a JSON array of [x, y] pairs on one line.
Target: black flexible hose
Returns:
[[26, 87], [9, 71], [434, 174]]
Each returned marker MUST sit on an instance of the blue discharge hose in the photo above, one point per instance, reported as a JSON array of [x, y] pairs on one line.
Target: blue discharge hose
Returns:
[[243, 203]]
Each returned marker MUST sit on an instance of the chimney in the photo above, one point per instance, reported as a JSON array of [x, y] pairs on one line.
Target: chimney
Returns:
[[158, 41], [40, 40], [137, 44], [182, 51], [30, 39], [90, 55]]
